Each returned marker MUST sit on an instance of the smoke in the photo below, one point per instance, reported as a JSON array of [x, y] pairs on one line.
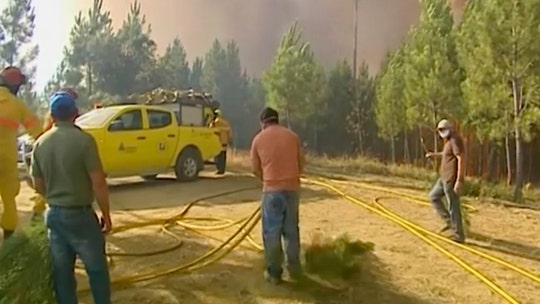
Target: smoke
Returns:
[[257, 25]]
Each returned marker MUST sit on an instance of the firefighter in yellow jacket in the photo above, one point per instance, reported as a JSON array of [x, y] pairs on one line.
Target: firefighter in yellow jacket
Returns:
[[40, 204], [13, 113], [224, 132]]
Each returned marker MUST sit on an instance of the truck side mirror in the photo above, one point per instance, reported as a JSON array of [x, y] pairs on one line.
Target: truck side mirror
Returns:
[[116, 125]]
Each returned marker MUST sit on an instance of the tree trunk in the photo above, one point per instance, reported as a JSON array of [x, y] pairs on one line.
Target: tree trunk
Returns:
[[518, 99], [530, 164], [406, 152], [508, 160], [89, 80], [519, 166], [393, 150], [492, 158]]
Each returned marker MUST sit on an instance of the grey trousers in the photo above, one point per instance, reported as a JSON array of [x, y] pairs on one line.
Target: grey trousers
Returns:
[[452, 214]]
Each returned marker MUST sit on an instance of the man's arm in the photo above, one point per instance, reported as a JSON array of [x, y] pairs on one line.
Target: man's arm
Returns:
[[301, 157], [434, 154], [29, 121], [255, 160], [94, 168], [457, 150], [36, 174]]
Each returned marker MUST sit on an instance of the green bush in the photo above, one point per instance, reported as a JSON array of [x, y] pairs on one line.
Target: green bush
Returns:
[[335, 257], [26, 268]]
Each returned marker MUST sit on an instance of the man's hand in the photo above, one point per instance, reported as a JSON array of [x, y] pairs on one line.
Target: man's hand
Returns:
[[458, 186], [106, 223], [433, 154]]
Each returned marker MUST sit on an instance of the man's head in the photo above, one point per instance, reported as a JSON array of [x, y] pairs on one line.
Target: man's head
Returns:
[[70, 91], [268, 117], [12, 78], [445, 128], [63, 107]]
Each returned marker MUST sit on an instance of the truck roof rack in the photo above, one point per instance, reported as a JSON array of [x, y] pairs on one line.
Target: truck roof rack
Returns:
[[159, 96]]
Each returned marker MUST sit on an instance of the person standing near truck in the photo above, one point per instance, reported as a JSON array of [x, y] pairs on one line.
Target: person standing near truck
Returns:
[[67, 171], [277, 159], [451, 178], [224, 132], [13, 114], [40, 204]]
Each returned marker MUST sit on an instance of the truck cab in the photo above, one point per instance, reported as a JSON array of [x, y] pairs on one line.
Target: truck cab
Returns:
[[149, 139]]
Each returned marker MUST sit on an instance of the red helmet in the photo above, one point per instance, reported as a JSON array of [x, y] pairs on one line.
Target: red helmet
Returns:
[[71, 92], [12, 76]]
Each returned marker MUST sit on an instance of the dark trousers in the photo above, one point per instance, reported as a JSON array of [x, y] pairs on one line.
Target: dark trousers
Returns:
[[280, 221], [76, 232], [221, 161]]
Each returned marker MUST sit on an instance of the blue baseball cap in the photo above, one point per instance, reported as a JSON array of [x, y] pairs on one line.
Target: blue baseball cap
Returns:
[[62, 105]]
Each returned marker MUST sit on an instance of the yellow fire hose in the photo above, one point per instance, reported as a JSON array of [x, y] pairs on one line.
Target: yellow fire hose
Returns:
[[423, 235], [245, 226]]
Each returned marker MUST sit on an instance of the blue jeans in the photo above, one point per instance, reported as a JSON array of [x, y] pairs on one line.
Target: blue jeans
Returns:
[[77, 232], [280, 219], [452, 215]]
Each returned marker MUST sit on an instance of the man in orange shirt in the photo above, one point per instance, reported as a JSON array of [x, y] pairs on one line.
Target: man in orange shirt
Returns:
[[277, 159]]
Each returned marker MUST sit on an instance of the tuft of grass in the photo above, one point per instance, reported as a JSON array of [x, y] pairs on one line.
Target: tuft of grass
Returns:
[[335, 257], [26, 268]]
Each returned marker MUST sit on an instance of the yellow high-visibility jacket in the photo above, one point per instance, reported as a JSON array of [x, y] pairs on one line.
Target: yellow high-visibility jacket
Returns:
[[224, 130], [13, 113]]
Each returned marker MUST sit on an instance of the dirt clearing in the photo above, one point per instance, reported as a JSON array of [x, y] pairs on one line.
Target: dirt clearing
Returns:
[[402, 269]]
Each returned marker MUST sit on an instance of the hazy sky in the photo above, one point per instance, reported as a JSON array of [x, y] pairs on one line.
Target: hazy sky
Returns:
[[257, 25]]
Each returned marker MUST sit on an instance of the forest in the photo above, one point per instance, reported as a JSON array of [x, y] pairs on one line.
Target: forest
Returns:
[[482, 72]]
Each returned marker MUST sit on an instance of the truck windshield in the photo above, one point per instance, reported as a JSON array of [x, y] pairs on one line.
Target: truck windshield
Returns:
[[96, 117]]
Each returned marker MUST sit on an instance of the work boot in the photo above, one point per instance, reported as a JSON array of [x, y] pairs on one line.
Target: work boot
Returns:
[[458, 239], [8, 234], [271, 279], [446, 227]]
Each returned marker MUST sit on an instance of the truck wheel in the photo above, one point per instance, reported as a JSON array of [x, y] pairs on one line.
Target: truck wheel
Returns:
[[188, 165], [149, 178]]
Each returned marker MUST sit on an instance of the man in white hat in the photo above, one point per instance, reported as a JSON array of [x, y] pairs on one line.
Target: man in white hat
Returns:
[[451, 179]]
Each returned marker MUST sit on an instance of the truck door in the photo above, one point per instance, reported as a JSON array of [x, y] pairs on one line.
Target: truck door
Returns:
[[123, 143], [162, 139]]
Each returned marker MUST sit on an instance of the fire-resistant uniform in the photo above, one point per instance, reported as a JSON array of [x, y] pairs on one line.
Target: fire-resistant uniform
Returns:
[[40, 204], [13, 113], [224, 132]]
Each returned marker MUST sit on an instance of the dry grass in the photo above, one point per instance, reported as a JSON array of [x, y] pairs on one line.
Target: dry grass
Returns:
[[421, 178]]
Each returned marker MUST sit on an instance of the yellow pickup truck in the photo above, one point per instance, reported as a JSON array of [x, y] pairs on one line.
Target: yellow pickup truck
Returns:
[[146, 140]]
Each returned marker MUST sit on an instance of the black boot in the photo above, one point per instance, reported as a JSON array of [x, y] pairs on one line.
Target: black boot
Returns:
[[8, 234]]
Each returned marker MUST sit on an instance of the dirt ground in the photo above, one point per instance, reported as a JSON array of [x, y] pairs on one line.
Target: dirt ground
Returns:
[[402, 269]]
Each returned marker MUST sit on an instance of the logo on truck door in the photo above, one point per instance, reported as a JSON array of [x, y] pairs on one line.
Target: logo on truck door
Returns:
[[161, 146]]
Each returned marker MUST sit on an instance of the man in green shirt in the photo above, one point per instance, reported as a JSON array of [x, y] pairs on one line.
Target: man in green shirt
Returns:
[[67, 171]]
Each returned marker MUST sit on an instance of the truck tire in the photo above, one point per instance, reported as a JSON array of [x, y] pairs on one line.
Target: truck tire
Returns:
[[188, 165]]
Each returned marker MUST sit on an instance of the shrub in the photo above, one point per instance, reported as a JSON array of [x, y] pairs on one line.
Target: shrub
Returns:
[[335, 257], [26, 268]]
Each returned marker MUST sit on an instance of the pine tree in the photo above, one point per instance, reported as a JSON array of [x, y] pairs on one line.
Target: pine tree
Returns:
[[17, 22]]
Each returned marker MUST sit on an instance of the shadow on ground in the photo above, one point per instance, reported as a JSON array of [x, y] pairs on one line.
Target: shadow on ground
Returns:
[[238, 278], [505, 246], [135, 194]]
